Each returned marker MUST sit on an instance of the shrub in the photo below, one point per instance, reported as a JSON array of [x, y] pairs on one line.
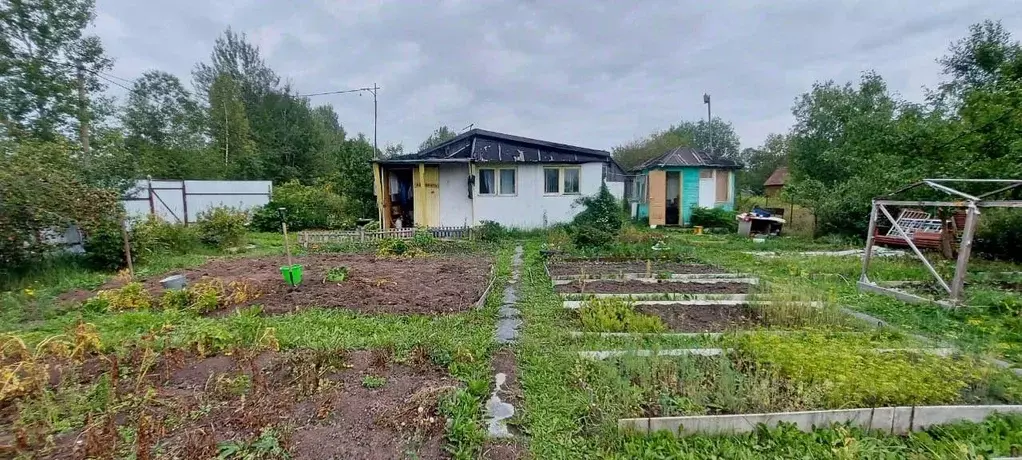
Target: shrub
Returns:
[[392, 247], [174, 299], [423, 239], [714, 218], [222, 227], [617, 315], [154, 235], [490, 231], [599, 222], [1000, 234], [132, 296], [308, 207], [104, 247]]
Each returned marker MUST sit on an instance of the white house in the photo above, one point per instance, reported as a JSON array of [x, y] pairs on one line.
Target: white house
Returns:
[[489, 176]]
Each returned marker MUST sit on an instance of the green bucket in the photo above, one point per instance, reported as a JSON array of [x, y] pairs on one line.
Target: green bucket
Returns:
[[292, 275]]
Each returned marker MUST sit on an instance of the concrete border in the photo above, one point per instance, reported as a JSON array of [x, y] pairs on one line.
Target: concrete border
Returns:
[[704, 280], [696, 335], [576, 304], [670, 297], [632, 276], [604, 354], [893, 420]]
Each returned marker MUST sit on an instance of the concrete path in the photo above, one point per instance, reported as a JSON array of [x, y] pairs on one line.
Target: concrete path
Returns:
[[509, 320]]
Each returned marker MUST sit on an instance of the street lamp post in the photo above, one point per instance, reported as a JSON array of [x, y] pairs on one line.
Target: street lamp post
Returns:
[[709, 119]]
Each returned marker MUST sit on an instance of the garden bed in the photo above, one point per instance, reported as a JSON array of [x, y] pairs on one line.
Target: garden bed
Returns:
[[644, 287], [704, 318], [303, 404], [620, 268], [417, 285]]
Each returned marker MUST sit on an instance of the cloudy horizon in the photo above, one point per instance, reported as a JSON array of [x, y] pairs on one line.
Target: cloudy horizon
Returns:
[[586, 73]]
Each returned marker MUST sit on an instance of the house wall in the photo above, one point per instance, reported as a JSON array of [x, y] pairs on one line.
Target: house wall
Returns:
[[455, 206], [689, 192], [530, 207]]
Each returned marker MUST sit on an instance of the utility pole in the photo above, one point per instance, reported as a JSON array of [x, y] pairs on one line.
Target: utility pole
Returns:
[[709, 120], [375, 118], [83, 115]]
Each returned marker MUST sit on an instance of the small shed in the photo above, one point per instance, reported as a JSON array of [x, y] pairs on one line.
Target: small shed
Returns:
[[775, 183], [671, 185]]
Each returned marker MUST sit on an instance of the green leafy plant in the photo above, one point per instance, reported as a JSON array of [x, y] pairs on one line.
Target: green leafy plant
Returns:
[[373, 382], [267, 446], [599, 222], [714, 218], [153, 235], [104, 247], [222, 227], [175, 299], [392, 247], [423, 239], [490, 231], [617, 315], [131, 296], [308, 207], [336, 274]]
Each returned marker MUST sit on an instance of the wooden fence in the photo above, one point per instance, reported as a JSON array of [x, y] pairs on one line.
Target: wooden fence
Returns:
[[313, 237]]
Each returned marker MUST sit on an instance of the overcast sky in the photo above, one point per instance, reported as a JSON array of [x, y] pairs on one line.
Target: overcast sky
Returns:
[[590, 73]]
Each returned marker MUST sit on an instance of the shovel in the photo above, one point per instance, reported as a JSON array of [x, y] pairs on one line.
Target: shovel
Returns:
[[292, 273]]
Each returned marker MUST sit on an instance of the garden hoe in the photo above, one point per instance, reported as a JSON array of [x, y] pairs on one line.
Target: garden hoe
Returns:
[[292, 272]]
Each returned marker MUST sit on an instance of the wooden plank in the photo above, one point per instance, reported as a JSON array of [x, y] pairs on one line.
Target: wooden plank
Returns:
[[658, 197]]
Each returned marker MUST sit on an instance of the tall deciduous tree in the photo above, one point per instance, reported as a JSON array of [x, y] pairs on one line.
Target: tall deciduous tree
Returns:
[[164, 128], [234, 56], [717, 136], [230, 132], [439, 136], [43, 51]]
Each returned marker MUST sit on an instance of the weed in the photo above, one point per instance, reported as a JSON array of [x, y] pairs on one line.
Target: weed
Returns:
[[132, 296], [617, 315], [373, 382], [336, 275], [269, 445]]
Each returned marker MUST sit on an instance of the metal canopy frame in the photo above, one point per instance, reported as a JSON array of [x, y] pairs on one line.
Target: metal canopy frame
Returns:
[[972, 205]]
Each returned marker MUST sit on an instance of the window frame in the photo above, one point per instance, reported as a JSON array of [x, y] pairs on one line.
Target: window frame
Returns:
[[560, 180], [497, 181]]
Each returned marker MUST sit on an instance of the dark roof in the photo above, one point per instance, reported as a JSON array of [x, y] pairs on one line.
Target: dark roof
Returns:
[[687, 156], [778, 178], [488, 146]]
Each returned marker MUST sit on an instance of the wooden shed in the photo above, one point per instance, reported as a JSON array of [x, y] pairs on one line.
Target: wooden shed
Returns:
[[671, 185], [775, 183]]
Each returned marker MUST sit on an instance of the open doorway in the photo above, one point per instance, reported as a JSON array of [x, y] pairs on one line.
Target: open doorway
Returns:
[[673, 216], [402, 198]]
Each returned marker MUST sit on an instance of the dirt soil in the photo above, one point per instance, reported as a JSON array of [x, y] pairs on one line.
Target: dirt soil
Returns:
[[561, 268], [661, 287], [704, 318], [426, 285], [314, 401]]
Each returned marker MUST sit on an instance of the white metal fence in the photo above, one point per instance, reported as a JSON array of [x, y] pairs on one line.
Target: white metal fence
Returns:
[[181, 201]]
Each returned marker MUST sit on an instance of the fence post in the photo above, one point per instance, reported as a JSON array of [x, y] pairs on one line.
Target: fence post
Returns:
[[361, 235]]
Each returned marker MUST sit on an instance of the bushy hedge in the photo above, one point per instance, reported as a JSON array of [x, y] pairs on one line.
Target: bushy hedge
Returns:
[[153, 235], [1000, 234], [714, 218], [308, 207], [599, 222], [222, 227]]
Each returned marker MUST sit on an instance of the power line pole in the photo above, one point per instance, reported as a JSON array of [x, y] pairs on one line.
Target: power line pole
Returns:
[[83, 115], [227, 136], [709, 120], [376, 149]]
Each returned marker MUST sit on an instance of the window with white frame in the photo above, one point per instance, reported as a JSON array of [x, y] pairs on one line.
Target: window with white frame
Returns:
[[498, 181], [562, 180]]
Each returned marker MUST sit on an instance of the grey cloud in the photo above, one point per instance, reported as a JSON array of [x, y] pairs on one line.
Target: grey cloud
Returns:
[[596, 74]]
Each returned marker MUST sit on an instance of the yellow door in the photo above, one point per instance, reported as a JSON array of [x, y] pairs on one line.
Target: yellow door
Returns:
[[658, 198], [426, 192]]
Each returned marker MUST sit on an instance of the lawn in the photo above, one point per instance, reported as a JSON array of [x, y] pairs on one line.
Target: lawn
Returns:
[[390, 353]]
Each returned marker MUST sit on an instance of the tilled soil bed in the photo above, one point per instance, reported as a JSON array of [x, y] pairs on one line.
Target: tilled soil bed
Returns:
[[427, 285], [704, 318], [641, 287], [313, 404], [596, 267]]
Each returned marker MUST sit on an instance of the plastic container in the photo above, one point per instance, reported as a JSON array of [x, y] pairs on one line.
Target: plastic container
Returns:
[[292, 275], [174, 282]]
